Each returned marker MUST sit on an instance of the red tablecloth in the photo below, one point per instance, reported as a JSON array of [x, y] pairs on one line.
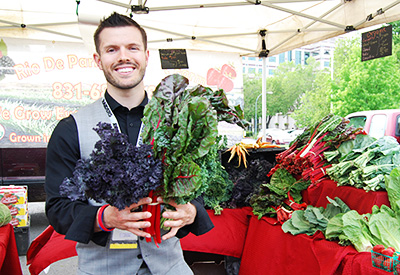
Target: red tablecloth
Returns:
[[48, 248], [268, 250], [9, 259], [227, 237], [357, 199], [232, 237]]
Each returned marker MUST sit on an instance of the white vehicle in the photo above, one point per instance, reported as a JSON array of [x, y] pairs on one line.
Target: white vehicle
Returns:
[[277, 136]]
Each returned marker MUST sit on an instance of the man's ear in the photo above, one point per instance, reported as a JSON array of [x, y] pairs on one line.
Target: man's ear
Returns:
[[97, 59]]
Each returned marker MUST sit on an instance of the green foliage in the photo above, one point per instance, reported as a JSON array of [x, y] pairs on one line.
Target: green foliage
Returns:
[[182, 126], [310, 220], [314, 104], [289, 82], [219, 186], [5, 215], [368, 85]]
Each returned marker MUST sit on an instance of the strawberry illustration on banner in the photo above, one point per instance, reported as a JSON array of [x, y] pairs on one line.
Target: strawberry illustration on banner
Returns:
[[222, 78]]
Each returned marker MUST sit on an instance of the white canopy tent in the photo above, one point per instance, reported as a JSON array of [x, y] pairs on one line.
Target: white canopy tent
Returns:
[[212, 25], [249, 28]]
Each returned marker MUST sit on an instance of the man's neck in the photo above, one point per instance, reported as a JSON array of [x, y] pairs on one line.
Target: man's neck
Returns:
[[128, 98]]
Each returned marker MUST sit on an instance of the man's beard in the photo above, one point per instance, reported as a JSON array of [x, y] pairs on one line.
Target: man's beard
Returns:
[[118, 84]]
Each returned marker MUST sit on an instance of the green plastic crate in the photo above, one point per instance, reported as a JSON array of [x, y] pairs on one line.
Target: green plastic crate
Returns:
[[387, 263]]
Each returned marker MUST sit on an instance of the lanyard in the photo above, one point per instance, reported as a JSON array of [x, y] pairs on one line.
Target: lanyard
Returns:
[[114, 121]]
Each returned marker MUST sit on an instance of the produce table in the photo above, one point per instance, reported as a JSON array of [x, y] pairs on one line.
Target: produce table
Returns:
[[9, 259], [260, 244], [268, 248], [227, 237]]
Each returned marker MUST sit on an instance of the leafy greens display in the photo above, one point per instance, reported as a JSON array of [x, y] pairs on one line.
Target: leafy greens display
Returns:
[[364, 162], [182, 124]]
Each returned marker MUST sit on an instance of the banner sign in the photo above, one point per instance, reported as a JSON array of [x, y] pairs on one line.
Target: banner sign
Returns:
[[42, 82]]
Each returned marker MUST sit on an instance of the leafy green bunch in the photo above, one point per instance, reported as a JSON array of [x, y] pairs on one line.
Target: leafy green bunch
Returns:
[[182, 126]]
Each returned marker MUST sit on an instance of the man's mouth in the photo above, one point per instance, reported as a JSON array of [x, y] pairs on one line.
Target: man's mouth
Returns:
[[125, 70]]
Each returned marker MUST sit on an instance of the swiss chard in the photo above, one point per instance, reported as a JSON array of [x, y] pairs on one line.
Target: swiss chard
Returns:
[[182, 124]]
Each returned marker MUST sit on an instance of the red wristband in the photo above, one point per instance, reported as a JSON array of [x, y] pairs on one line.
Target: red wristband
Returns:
[[100, 215]]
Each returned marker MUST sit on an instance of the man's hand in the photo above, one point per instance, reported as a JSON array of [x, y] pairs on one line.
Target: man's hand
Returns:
[[183, 214], [127, 219]]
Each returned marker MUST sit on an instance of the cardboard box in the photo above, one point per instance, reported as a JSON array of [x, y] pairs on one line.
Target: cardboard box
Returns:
[[16, 199], [12, 194]]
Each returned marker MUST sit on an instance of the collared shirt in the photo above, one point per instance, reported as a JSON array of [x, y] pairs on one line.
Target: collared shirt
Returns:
[[76, 219], [129, 120]]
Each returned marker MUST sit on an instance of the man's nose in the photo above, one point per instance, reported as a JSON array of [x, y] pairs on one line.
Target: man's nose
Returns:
[[124, 55]]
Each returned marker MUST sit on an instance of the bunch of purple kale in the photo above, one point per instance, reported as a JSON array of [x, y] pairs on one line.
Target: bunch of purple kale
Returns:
[[116, 172], [247, 181]]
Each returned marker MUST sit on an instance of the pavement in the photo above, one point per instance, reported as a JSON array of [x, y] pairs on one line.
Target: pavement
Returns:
[[38, 223]]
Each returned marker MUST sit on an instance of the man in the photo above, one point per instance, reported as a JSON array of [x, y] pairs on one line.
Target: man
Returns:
[[122, 54]]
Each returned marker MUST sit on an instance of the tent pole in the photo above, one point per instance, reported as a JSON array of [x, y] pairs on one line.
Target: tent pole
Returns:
[[264, 99]]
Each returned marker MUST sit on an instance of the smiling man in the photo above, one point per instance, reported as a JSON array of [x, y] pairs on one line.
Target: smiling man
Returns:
[[122, 54]]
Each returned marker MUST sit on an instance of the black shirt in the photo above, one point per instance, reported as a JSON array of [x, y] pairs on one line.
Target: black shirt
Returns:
[[76, 219]]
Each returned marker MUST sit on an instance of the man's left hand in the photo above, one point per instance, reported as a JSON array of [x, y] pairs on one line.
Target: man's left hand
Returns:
[[183, 214]]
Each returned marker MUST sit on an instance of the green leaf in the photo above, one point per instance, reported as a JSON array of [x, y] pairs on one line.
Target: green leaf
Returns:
[[334, 229], [392, 183], [281, 182], [357, 231], [3, 47], [386, 228]]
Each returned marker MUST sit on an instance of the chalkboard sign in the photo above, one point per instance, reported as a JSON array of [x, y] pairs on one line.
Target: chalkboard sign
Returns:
[[376, 43], [173, 59]]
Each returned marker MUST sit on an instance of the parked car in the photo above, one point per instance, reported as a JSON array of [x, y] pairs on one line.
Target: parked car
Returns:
[[378, 123], [277, 136], [294, 133]]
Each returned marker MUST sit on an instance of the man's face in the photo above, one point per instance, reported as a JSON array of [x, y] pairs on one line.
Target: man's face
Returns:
[[122, 56]]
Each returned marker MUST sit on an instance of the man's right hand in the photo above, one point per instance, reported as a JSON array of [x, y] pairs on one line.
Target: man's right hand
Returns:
[[127, 219]]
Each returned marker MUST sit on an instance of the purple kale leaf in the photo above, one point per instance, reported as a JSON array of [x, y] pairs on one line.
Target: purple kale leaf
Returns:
[[116, 172]]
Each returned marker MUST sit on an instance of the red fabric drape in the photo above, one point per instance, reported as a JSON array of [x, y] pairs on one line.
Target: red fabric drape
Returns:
[[47, 248], [9, 259], [268, 250], [357, 199], [227, 237], [238, 233]]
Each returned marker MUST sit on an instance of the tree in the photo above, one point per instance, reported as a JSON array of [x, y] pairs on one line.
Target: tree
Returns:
[[314, 104], [288, 83], [368, 85]]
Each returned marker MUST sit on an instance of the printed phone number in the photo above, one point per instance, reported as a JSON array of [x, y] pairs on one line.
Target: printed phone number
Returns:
[[69, 91]]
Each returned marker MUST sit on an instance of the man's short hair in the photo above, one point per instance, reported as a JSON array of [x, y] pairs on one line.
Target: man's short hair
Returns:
[[117, 20]]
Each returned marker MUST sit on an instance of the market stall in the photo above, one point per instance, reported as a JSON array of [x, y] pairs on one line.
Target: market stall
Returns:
[[293, 180]]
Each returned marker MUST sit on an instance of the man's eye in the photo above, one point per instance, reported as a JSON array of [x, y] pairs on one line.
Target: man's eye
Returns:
[[110, 50]]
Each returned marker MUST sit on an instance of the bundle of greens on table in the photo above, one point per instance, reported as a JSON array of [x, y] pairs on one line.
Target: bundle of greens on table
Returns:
[[304, 158], [247, 182], [364, 162], [348, 227], [301, 165]]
